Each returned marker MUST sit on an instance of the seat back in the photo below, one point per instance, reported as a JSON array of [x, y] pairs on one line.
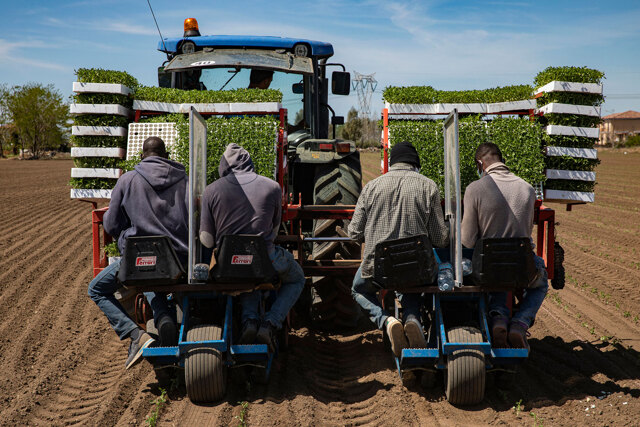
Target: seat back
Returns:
[[405, 263], [150, 261], [504, 262], [243, 258]]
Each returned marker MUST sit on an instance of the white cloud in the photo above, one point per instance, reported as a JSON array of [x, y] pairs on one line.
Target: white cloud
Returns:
[[9, 57]]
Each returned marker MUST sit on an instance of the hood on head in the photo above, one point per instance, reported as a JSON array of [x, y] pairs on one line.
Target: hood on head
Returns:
[[235, 160], [161, 173]]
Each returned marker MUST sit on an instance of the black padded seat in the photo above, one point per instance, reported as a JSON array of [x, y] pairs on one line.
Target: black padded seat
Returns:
[[402, 264], [150, 261], [504, 263], [243, 258]]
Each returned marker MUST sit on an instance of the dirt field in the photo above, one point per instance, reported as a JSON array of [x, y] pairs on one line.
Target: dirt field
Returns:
[[63, 365]]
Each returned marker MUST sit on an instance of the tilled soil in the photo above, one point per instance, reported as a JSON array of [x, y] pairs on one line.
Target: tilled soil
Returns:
[[63, 365]]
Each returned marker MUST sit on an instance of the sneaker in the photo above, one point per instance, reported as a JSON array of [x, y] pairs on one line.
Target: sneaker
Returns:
[[395, 332], [167, 331], [136, 347], [415, 334], [499, 331], [266, 335], [518, 334], [248, 332]]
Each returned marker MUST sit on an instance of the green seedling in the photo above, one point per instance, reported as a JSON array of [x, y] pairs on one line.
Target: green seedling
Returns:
[[537, 421], [159, 402], [517, 408], [242, 418]]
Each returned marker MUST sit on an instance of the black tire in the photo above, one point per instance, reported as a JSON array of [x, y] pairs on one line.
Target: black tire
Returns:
[[205, 373], [336, 183], [466, 370]]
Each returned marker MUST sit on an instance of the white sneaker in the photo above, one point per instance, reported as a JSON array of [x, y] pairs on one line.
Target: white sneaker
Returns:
[[395, 332]]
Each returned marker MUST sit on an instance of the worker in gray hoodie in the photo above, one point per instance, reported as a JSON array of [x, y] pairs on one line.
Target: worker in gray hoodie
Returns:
[[243, 202], [151, 200]]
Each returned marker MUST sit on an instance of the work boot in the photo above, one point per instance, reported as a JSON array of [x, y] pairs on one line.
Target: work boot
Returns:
[[395, 332], [248, 332], [167, 331], [135, 348], [266, 335], [415, 334], [518, 334], [499, 331]]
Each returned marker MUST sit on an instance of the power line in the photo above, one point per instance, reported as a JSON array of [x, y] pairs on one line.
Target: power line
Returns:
[[365, 85]]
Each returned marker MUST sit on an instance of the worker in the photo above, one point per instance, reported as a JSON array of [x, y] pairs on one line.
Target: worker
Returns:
[[260, 79], [243, 202], [400, 203], [500, 204], [148, 201]]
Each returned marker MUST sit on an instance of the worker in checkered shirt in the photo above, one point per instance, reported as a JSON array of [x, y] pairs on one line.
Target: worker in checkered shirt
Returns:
[[401, 203]]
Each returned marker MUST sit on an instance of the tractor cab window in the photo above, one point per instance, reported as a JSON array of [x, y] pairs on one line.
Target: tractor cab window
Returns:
[[239, 78]]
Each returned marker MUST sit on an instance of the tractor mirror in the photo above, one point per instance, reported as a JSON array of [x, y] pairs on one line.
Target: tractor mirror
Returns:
[[297, 88], [340, 83], [164, 77], [337, 120]]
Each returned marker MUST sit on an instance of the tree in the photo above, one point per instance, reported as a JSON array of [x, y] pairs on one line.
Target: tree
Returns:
[[352, 129], [38, 114]]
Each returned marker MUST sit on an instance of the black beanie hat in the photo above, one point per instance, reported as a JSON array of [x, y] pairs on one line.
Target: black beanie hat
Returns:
[[404, 152]]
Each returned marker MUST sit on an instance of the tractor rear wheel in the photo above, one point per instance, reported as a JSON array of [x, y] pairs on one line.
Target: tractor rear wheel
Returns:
[[205, 373], [466, 369], [336, 183]]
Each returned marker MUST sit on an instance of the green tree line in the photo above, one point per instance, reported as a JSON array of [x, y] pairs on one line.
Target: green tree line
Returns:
[[33, 117]]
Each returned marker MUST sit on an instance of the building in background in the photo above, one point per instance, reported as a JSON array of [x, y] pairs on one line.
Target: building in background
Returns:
[[616, 128]]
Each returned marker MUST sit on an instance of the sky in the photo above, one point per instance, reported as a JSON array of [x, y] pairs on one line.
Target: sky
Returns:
[[450, 45]]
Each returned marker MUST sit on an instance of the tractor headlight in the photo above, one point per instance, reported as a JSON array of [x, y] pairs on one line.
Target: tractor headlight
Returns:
[[301, 50], [188, 47]]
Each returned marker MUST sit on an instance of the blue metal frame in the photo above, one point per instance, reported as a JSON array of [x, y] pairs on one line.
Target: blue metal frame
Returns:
[[435, 357], [319, 49], [235, 355]]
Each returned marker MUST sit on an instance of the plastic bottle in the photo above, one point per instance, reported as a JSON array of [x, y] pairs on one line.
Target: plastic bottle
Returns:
[[445, 277], [467, 267]]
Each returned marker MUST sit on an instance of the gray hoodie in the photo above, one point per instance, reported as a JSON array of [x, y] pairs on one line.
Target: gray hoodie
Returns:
[[240, 201], [151, 200]]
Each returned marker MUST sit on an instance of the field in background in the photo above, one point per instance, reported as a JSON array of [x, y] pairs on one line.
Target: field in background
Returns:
[[63, 365]]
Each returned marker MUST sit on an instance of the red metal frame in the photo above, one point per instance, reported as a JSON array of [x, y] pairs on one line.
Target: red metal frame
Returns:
[[99, 262]]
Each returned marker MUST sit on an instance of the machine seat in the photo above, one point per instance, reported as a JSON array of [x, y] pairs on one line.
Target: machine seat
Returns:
[[150, 261], [504, 263], [405, 263], [243, 258]]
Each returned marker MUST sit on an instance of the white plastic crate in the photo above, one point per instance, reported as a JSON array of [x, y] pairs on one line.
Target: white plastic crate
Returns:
[[582, 110], [138, 132], [474, 108], [568, 196], [96, 173], [572, 131], [498, 107], [111, 109], [559, 86], [98, 131], [83, 193], [573, 175], [223, 107], [110, 88], [97, 152], [585, 153]]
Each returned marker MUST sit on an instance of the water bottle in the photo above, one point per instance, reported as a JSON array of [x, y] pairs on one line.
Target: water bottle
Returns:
[[445, 277], [467, 267]]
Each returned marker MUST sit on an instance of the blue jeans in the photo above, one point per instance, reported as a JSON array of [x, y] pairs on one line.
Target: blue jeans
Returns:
[[101, 290], [531, 302], [292, 278], [364, 292]]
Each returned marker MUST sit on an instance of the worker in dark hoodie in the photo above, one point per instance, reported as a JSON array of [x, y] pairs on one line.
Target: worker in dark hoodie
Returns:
[[243, 202], [151, 200]]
